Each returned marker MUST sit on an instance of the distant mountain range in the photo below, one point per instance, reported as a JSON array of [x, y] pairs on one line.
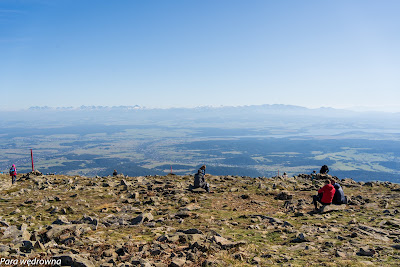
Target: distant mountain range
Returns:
[[248, 108], [135, 107]]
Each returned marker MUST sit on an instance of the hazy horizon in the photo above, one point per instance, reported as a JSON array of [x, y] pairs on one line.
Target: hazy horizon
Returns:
[[387, 109]]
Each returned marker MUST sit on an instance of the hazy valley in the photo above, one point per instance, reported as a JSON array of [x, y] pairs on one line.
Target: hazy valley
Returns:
[[247, 141]]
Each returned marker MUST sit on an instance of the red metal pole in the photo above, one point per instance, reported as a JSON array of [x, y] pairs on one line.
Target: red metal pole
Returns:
[[33, 169]]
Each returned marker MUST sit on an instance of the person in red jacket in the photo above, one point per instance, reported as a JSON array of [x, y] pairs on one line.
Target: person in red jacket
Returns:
[[13, 174], [325, 195]]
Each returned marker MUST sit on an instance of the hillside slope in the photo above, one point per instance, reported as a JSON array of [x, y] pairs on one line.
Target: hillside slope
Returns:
[[157, 221]]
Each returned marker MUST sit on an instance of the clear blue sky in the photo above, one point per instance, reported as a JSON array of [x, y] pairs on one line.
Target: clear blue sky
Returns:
[[199, 52]]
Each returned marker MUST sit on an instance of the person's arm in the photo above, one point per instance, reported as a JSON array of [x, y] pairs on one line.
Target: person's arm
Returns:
[[322, 190]]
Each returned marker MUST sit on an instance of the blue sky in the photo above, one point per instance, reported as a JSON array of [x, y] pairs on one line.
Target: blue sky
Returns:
[[199, 52]]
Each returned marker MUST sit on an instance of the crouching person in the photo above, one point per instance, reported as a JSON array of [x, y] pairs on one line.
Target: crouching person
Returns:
[[325, 195], [199, 179]]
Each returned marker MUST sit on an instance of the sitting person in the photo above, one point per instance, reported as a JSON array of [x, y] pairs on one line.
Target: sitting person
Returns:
[[325, 194], [199, 179], [115, 173], [313, 175], [339, 197], [324, 170]]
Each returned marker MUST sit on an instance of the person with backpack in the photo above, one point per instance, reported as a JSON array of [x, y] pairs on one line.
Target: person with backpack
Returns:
[[325, 194], [199, 179], [339, 197], [13, 174], [324, 170]]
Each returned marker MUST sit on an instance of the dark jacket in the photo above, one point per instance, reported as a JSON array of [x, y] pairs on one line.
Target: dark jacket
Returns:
[[324, 169], [199, 180], [339, 197]]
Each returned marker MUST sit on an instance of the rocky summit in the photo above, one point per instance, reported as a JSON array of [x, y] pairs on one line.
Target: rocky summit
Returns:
[[158, 221]]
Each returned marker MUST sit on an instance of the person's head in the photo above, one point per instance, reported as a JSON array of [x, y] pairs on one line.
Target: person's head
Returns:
[[327, 181], [13, 165], [203, 167], [314, 171], [333, 182]]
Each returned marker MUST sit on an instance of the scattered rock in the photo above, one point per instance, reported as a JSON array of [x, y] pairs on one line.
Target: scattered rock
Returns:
[[198, 190], [331, 208], [340, 254], [73, 260], [144, 217], [225, 243], [155, 221], [177, 262], [364, 251], [301, 237], [284, 195]]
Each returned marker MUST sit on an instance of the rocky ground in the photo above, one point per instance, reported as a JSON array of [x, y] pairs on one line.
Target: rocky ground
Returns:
[[157, 221]]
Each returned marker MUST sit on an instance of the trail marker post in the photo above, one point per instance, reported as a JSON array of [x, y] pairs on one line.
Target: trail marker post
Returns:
[[33, 168]]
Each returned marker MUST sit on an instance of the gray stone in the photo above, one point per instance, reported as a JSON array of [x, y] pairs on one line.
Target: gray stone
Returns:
[[56, 230], [212, 263], [17, 234], [73, 260], [256, 260], [301, 237], [4, 224], [273, 220], [61, 220], [182, 214], [144, 217], [199, 190], [366, 252], [16, 211], [27, 246], [331, 208], [124, 182], [225, 243], [340, 254], [38, 245], [4, 248], [284, 195], [145, 263], [177, 262], [192, 231], [190, 207]]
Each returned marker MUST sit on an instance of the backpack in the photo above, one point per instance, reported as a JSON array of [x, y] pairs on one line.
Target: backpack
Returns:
[[13, 171]]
